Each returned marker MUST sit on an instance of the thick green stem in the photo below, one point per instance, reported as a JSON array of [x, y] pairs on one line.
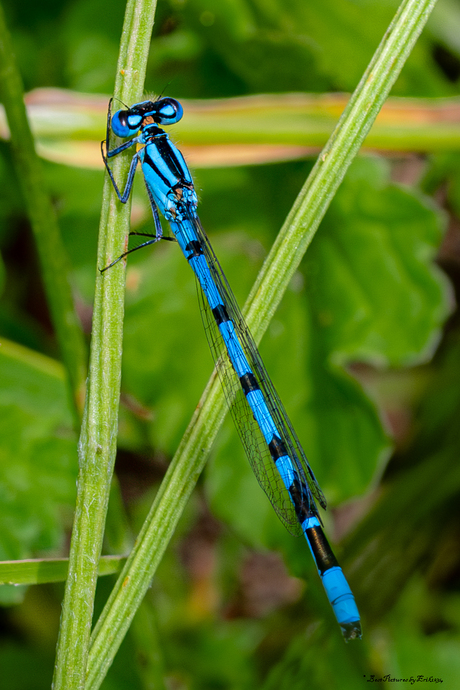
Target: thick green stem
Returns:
[[98, 440]]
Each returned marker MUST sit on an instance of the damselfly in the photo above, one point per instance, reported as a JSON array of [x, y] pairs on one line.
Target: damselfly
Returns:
[[271, 444]]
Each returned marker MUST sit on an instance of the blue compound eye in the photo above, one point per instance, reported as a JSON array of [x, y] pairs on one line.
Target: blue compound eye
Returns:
[[126, 122], [169, 111]]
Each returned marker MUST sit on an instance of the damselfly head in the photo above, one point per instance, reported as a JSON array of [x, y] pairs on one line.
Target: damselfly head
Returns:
[[125, 123], [167, 111], [164, 111]]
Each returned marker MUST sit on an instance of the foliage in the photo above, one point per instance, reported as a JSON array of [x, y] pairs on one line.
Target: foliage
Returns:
[[351, 345]]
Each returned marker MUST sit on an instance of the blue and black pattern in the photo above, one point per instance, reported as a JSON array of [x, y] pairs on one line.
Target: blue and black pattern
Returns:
[[271, 444]]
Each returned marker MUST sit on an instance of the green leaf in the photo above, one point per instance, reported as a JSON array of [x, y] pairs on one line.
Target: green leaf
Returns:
[[38, 459], [309, 656], [343, 35], [378, 295]]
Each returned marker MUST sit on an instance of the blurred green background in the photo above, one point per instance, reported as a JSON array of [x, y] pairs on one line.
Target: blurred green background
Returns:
[[364, 352]]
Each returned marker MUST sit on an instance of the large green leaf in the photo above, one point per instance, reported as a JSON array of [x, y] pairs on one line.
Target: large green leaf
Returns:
[[38, 459], [378, 296], [330, 43]]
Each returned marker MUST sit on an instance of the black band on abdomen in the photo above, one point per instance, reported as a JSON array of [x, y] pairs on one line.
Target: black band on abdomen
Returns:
[[249, 383], [322, 552], [277, 448], [220, 314], [194, 248]]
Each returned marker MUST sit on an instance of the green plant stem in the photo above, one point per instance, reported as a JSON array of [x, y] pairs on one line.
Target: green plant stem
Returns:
[[53, 258], [38, 571], [98, 438], [307, 120], [262, 127], [294, 238]]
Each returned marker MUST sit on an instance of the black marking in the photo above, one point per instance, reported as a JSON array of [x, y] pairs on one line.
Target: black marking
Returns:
[[194, 249], [302, 500], [152, 131], [304, 506], [148, 161], [176, 162], [277, 448], [160, 140], [249, 383], [321, 550], [220, 314]]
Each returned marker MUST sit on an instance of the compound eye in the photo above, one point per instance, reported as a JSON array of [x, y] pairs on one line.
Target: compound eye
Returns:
[[170, 111], [125, 123]]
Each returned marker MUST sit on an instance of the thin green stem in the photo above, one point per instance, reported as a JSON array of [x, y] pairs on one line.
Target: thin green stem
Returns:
[[97, 446], [53, 258], [277, 271]]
